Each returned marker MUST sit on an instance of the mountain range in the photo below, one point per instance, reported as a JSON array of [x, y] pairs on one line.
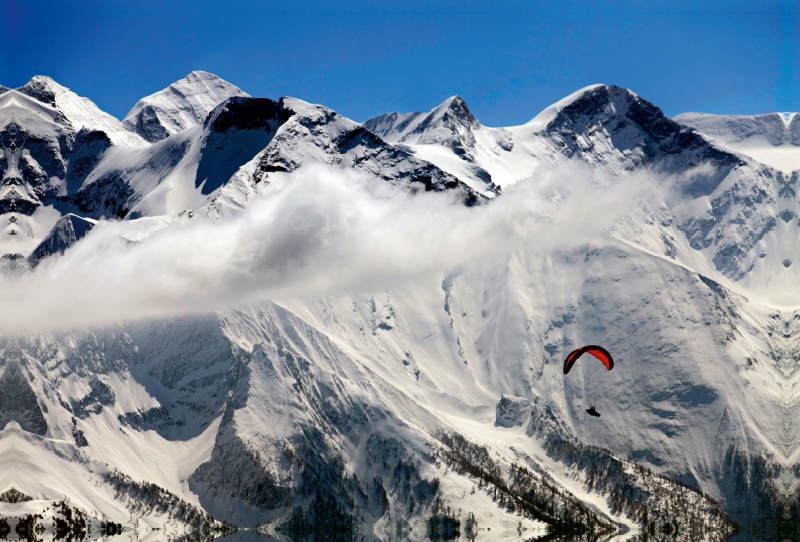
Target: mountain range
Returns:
[[435, 408]]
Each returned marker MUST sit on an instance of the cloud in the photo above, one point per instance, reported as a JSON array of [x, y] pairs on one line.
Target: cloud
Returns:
[[325, 233]]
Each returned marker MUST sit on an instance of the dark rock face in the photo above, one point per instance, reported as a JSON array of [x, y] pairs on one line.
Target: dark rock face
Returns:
[[156, 418], [78, 435], [66, 232], [235, 470], [235, 132], [241, 113], [38, 89], [16, 202], [87, 149], [100, 396], [148, 125], [109, 197], [24, 182], [13, 496], [18, 401]]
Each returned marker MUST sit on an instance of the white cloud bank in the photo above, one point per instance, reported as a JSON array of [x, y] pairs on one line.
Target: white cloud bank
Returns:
[[324, 233]]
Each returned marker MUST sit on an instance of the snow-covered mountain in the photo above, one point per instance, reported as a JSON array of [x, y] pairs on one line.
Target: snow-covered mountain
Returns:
[[80, 112], [266, 140], [453, 139], [432, 407], [182, 105]]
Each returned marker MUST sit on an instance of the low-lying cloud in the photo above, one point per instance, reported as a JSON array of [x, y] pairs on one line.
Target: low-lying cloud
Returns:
[[325, 233]]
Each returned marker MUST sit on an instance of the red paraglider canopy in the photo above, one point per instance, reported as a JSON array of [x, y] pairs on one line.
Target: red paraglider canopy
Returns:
[[597, 351]]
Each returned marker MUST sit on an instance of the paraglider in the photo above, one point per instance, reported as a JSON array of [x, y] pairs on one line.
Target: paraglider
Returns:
[[598, 352]]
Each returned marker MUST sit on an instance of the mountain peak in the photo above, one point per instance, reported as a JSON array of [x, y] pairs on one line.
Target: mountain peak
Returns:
[[201, 75], [42, 88], [453, 103], [79, 111], [44, 80], [453, 111], [182, 105], [604, 106], [449, 124], [597, 93]]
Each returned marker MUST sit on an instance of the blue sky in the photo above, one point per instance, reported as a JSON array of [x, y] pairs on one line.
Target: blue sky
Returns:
[[507, 59]]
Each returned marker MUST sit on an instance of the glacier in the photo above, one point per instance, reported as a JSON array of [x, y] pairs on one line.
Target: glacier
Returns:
[[228, 312]]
